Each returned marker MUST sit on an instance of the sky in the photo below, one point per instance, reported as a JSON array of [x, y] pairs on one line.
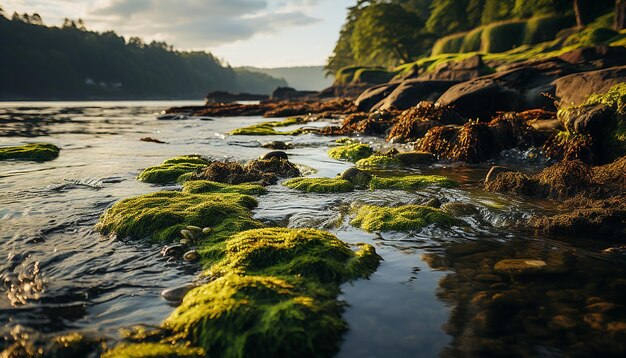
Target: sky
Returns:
[[260, 33]]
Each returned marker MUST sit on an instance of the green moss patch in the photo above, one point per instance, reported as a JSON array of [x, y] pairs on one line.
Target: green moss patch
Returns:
[[411, 182], [206, 186], [39, 152], [320, 185], [173, 170], [401, 218], [379, 161], [351, 152], [153, 350], [161, 215], [268, 128]]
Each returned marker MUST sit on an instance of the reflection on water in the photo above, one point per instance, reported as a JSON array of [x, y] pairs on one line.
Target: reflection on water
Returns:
[[436, 292]]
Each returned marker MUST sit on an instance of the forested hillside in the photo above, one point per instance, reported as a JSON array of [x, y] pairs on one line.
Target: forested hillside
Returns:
[[70, 62], [394, 32]]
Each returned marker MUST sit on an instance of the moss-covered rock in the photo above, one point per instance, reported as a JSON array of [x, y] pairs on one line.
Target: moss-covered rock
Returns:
[[153, 350], [264, 171], [411, 182], [173, 170], [379, 162], [351, 152], [359, 178], [206, 186], [268, 128], [320, 185], [162, 215], [39, 152], [401, 218]]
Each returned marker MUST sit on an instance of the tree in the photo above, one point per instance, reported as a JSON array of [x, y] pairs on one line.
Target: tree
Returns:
[[619, 23], [447, 16], [579, 19], [496, 10]]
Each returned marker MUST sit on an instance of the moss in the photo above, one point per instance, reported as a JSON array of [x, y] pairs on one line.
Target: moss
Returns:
[[145, 350], [173, 170], [267, 128], [591, 36], [320, 185], [205, 186], [275, 295], [411, 182], [402, 218], [163, 214], [39, 152], [379, 161], [351, 152]]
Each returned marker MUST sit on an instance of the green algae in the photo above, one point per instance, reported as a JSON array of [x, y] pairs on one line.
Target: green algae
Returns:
[[401, 218], [351, 152], [38, 152], [152, 350], [411, 182], [268, 128], [320, 185], [173, 170], [161, 215], [206, 186], [379, 161]]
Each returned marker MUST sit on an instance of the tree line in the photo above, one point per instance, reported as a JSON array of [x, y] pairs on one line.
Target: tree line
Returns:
[[71, 62]]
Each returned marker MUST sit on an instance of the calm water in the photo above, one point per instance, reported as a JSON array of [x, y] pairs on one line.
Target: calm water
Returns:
[[59, 275]]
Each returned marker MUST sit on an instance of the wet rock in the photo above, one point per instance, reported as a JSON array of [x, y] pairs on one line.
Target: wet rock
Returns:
[[207, 230], [172, 250], [460, 209], [373, 95], [520, 266], [176, 294], [462, 70], [413, 91], [191, 255], [359, 178], [433, 203], [416, 158], [575, 88], [602, 307], [494, 171], [277, 145], [275, 154]]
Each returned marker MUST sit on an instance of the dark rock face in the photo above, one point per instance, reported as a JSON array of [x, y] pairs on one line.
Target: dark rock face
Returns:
[[372, 96], [463, 70], [575, 88], [413, 91], [597, 56]]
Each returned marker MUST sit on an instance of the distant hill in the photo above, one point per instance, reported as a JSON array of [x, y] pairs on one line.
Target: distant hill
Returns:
[[70, 62], [301, 78]]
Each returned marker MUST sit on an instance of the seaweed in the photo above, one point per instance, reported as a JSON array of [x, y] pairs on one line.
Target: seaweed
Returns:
[[172, 170], [320, 185], [401, 218], [38, 152], [351, 152]]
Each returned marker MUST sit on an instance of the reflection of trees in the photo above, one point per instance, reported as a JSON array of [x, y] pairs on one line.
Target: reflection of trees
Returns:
[[572, 307]]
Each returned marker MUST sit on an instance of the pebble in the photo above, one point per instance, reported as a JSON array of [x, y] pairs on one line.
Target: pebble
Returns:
[[194, 228], [191, 255], [186, 234], [185, 242], [207, 230], [176, 294]]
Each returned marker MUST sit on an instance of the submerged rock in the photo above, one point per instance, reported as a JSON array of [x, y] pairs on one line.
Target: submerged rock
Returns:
[[401, 218], [176, 294], [38, 152], [274, 154], [351, 152], [520, 266], [320, 185], [359, 178], [277, 145]]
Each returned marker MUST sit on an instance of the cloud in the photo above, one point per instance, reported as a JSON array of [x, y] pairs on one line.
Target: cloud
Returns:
[[199, 24]]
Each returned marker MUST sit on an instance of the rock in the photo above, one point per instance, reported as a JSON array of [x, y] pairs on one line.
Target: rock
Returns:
[[277, 145], [191, 255], [416, 158], [462, 70], [602, 307], [359, 178], [176, 294], [207, 230], [575, 88], [289, 93], [599, 56], [172, 250], [413, 91], [562, 323], [193, 228], [589, 119], [185, 242], [520, 266], [227, 97], [433, 203], [494, 171], [460, 209], [373, 95], [186, 234], [274, 154]]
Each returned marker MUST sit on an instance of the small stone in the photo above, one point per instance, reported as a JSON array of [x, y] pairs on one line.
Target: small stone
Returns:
[[176, 294], [186, 234], [185, 242], [416, 158], [207, 230], [194, 228], [275, 154], [172, 250], [520, 266], [277, 145], [562, 323], [494, 171], [191, 255]]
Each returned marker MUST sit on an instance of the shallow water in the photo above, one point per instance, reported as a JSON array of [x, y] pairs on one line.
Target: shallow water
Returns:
[[59, 275]]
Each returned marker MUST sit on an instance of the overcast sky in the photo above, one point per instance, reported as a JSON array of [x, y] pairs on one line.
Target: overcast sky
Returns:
[[262, 33]]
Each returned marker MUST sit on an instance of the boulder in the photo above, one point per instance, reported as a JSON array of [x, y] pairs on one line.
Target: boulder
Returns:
[[371, 96], [597, 56], [288, 93], [574, 89], [413, 91], [462, 70]]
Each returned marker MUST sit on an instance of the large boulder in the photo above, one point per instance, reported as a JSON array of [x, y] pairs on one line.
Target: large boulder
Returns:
[[371, 96], [574, 89], [597, 56], [413, 91], [526, 85], [462, 70]]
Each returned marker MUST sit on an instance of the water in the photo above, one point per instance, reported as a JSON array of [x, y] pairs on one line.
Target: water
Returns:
[[426, 299]]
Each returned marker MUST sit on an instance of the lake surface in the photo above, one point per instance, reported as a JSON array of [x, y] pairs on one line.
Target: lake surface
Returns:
[[60, 275]]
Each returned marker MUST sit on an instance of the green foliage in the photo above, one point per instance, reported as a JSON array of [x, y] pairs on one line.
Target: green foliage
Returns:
[[206, 186], [153, 350], [411, 182], [530, 8], [379, 162], [501, 37], [40, 62], [320, 185], [161, 215], [351, 152], [38, 152], [403, 218], [447, 16], [496, 10], [591, 36], [267, 128], [172, 169]]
